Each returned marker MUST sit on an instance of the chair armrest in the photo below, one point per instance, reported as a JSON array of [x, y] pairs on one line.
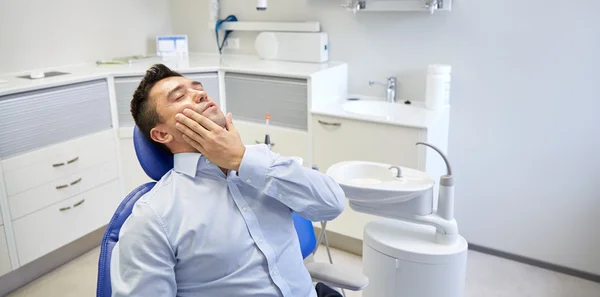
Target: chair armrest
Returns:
[[337, 277]]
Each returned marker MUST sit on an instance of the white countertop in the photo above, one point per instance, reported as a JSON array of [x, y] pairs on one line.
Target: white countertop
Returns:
[[195, 63], [421, 117], [210, 63]]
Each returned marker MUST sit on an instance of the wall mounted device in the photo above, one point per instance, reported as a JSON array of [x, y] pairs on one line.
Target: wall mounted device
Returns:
[[297, 47]]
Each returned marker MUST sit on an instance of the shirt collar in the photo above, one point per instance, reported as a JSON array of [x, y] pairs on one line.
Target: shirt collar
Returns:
[[186, 163]]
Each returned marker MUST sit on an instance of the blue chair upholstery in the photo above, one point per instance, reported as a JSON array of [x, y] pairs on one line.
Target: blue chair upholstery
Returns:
[[155, 163], [111, 236]]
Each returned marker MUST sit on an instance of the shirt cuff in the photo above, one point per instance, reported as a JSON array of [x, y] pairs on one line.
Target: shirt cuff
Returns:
[[255, 164]]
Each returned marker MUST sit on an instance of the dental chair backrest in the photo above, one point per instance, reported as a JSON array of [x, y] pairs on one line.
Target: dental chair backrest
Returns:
[[155, 163]]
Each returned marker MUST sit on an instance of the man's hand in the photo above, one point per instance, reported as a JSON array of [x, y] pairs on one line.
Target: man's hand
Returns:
[[223, 147]]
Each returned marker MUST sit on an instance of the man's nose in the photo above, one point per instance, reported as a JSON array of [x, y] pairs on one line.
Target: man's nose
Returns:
[[200, 96]]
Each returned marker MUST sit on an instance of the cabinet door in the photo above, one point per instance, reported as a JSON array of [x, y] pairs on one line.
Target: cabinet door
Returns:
[[251, 97], [35, 119], [46, 230], [286, 142], [133, 174], [336, 140], [5, 266]]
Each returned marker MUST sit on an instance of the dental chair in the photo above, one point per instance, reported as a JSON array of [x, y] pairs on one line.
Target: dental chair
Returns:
[[155, 164]]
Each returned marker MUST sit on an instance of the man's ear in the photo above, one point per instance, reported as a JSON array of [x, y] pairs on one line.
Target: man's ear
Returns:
[[161, 136]]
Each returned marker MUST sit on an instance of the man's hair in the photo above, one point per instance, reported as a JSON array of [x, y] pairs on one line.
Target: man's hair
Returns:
[[143, 109]]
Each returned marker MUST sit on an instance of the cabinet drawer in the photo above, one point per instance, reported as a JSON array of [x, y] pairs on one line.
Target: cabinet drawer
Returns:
[[337, 139], [51, 228], [36, 168], [5, 266], [125, 86], [50, 193], [251, 97], [286, 142], [34, 119]]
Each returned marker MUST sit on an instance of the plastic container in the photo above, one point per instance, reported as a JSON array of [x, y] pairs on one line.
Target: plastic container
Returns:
[[437, 94]]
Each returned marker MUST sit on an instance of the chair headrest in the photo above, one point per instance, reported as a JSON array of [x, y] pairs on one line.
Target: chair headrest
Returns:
[[155, 161]]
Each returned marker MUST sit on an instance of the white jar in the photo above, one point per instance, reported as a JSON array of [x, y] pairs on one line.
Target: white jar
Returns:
[[437, 94]]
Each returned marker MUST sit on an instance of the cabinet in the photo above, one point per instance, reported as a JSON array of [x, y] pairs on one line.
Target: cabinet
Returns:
[[39, 118], [56, 165], [338, 139], [284, 141], [251, 97], [5, 266], [133, 174], [46, 230]]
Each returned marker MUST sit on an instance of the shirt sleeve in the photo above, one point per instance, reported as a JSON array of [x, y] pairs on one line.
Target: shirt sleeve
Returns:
[[313, 195], [142, 262]]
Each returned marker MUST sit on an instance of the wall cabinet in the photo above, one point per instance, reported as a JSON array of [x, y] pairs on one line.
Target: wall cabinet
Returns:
[[338, 139]]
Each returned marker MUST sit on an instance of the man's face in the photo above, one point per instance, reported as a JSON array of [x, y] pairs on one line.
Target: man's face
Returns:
[[171, 96]]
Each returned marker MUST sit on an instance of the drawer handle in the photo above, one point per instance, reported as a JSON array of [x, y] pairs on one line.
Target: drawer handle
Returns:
[[61, 187], [79, 203], [58, 164], [260, 142], [329, 124], [76, 181], [64, 208], [73, 160]]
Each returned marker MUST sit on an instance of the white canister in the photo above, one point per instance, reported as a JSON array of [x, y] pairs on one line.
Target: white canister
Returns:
[[437, 94]]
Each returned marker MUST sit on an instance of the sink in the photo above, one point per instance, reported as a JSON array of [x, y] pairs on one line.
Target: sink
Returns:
[[376, 183], [381, 109]]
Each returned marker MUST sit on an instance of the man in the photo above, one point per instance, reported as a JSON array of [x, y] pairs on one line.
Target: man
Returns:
[[219, 223]]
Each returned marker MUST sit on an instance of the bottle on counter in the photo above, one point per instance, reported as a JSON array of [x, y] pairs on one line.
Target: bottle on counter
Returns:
[[437, 94]]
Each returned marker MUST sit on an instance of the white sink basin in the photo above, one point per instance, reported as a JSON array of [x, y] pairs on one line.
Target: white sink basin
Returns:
[[376, 183], [381, 109]]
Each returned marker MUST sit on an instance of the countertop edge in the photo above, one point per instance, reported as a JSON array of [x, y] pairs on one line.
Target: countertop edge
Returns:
[[370, 119], [270, 68]]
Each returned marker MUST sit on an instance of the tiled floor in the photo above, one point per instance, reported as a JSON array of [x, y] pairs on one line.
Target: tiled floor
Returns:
[[487, 276]]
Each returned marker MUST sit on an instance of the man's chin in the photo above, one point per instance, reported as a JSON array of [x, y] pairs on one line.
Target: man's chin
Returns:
[[218, 119]]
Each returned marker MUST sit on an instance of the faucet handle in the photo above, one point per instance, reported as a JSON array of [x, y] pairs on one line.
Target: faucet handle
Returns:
[[391, 81], [372, 82]]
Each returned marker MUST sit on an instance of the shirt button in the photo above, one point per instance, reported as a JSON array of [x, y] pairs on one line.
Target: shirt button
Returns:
[[243, 209], [274, 273], [248, 180], [280, 195], [259, 240], [207, 161]]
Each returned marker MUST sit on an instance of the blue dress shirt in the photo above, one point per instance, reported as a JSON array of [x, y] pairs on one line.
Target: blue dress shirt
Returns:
[[200, 232]]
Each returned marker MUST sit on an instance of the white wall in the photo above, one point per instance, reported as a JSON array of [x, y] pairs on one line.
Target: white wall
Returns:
[[44, 33], [525, 123]]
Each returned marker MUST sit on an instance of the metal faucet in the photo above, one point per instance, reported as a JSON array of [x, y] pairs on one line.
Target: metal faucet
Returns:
[[433, 5], [390, 88]]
